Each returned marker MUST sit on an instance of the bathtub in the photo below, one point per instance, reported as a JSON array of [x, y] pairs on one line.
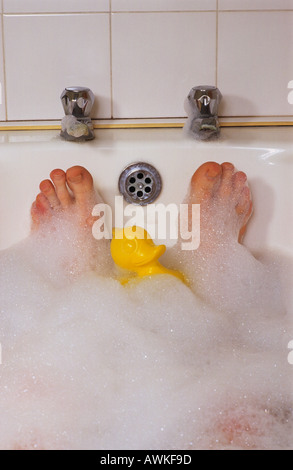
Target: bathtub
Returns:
[[264, 154], [26, 158]]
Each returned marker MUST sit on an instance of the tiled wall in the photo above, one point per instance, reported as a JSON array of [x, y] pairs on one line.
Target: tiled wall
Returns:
[[141, 57]]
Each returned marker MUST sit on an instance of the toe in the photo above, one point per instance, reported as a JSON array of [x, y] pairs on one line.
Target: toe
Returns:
[[226, 186], [59, 179], [244, 210], [42, 204], [244, 205], [48, 190], [41, 208], [239, 181], [80, 182], [205, 181]]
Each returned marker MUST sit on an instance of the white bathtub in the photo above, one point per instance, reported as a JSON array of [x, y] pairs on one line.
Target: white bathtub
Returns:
[[265, 154], [46, 324]]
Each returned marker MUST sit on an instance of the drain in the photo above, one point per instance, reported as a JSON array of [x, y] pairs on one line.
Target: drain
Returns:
[[140, 183]]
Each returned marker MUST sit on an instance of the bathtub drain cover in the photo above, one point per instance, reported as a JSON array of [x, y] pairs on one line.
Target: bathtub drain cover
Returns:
[[140, 183]]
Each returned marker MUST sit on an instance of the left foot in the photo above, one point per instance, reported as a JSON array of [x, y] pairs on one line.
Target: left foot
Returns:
[[63, 191]]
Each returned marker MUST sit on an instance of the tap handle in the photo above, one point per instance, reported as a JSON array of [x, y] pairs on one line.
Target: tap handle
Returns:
[[204, 100], [77, 101]]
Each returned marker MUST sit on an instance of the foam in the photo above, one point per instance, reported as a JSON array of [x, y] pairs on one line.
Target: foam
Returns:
[[88, 363]]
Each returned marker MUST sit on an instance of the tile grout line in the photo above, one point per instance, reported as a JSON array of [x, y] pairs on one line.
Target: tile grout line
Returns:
[[111, 60], [257, 11], [52, 13], [199, 11], [217, 43], [4, 87]]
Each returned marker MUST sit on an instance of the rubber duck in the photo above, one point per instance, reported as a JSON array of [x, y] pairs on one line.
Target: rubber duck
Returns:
[[133, 249]]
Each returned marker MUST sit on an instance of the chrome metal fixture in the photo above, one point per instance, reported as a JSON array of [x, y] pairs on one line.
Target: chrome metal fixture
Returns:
[[202, 107], [140, 183], [77, 103]]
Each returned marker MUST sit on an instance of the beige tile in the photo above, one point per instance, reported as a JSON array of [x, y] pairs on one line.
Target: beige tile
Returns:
[[2, 83], [163, 5], [255, 4], [46, 53], [158, 58], [255, 63], [55, 6]]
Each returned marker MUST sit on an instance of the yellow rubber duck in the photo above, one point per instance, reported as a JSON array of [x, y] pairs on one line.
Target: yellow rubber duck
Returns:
[[133, 249]]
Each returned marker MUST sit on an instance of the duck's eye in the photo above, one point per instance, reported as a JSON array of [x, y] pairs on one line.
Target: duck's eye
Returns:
[[129, 246]]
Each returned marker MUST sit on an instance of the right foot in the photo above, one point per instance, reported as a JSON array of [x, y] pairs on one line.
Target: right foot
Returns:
[[221, 269], [73, 189], [225, 202]]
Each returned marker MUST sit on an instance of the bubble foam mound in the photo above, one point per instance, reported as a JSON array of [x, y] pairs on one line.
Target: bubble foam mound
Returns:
[[90, 364]]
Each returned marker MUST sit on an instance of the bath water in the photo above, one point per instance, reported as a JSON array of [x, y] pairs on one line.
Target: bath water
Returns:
[[90, 364]]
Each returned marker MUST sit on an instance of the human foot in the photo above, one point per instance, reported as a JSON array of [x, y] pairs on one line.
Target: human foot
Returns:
[[220, 267], [63, 191], [245, 427], [225, 201]]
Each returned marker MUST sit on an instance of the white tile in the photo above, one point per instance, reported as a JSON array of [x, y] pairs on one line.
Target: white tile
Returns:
[[255, 4], [51, 52], [163, 5], [55, 6], [2, 83], [157, 59], [254, 68]]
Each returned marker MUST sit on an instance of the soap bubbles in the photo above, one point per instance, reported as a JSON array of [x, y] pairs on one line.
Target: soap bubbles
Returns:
[[91, 364]]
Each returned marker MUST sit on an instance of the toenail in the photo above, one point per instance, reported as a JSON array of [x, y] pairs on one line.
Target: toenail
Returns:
[[45, 186], [75, 179], [212, 172], [58, 176], [228, 166], [241, 176]]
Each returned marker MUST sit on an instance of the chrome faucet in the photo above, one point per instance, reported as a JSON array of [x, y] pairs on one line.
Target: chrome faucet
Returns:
[[77, 103], [202, 108]]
